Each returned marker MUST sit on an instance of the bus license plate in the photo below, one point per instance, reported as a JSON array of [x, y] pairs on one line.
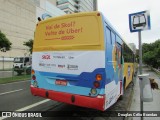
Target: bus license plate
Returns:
[[61, 82]]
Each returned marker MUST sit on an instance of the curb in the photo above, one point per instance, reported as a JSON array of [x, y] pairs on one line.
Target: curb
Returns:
[[15, 81]]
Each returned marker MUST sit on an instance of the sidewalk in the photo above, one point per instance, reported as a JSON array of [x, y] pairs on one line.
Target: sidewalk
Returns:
[[147, 106]]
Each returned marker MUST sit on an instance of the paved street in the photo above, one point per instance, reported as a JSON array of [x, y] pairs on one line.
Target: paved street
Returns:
[[17, 97], [148, 106]]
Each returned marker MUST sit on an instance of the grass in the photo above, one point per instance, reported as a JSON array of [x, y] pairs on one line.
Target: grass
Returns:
[[14, 79]]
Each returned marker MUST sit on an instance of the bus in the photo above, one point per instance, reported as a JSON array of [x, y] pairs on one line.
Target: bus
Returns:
[[81, 60]]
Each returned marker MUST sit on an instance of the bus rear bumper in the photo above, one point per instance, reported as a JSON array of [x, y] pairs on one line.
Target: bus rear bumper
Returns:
[[79, 100]]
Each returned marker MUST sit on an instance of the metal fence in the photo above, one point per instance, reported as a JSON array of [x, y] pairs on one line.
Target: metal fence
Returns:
[[6, 63], [7, 72]]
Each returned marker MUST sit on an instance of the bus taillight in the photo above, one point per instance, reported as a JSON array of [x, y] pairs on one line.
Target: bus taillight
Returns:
[[96, 84], [98, 77], [33, 77]]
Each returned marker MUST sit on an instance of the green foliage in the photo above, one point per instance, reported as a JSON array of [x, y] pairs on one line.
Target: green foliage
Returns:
[[29, 44], [4, 42], [151, 53]]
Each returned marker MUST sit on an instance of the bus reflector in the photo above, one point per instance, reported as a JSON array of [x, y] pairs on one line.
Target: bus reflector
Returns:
[[100, 96], [98, 77], [35, 84], [93, 91]]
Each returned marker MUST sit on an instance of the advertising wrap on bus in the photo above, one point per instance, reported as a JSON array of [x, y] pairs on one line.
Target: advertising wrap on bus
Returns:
[[68, 33], [75, 61]]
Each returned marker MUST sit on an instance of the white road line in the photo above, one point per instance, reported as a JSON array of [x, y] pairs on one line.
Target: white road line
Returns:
[[10, 92], [32, 105]]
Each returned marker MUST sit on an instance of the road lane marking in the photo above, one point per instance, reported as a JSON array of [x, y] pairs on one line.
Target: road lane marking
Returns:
[[32, 105], [11, 91]]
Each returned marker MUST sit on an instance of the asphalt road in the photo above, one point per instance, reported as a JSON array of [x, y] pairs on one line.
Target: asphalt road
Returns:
[[17, 97], [14, 96]]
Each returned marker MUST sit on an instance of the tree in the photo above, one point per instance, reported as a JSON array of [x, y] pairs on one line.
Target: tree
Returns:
[[29, 44], [4, 42], [151, 53], [149, 58]]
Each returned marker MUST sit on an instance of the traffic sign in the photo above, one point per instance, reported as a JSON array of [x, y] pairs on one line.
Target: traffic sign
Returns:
[[139, 21]]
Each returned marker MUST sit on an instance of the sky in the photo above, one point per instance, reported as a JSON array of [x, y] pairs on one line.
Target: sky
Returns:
[[117, 12]]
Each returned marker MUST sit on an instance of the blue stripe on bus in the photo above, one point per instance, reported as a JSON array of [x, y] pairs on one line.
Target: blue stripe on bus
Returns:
[[85, 79], [77, 84]]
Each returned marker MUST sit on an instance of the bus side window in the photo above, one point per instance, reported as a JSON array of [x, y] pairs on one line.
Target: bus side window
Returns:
[[127, 54], [119, 52], [108, 31], [113, 38]]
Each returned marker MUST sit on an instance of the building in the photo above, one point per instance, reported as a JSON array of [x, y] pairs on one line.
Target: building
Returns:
[[133, 47], [47, 6], [74, 6], [18, 19]]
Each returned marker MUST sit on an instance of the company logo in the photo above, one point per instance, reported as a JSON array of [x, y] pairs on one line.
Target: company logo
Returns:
[[72, 67], [20, 115], [61, 66], [47, 65], [59, 57], [41, 64], [46, 57], [70, 57], [6, 114]]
